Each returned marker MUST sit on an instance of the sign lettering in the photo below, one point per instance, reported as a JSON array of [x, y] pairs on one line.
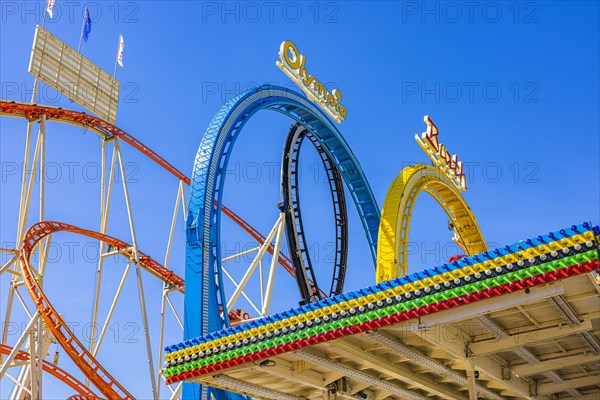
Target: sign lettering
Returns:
[[446, 162], [292, 63]]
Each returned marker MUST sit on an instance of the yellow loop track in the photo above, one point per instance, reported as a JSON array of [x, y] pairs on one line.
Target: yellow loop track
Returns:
[[397, 211]]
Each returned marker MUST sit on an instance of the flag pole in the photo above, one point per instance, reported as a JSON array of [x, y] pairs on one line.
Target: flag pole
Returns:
[[117, 57], [115, 71], [82, 27], [45, 12], [35, 81]]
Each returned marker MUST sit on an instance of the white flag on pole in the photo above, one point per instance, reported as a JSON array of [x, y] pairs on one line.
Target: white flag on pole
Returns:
[[49, 7], [120, 53]]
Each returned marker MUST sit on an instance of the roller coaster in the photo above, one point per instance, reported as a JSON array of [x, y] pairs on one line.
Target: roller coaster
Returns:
[[85, 361], [332, 343], [296, 238]]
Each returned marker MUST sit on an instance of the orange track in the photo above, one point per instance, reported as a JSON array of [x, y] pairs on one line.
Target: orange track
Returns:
[[82, 358], [34, 111], [55, 371]]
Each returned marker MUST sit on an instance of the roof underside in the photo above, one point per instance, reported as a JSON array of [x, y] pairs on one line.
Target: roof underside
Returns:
[[541, 343]]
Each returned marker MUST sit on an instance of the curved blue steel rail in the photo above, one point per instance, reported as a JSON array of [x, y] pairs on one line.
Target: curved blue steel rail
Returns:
[[203, 263]]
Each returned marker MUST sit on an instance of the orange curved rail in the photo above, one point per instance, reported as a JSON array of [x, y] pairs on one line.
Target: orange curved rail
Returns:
[[57, 372], [90, 367], [82, 358], [33, 111]]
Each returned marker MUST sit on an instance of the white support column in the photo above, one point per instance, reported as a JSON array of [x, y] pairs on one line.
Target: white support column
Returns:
[[183, 205], [24, 181], [25, 211], [23, 378], [138, 271], [8, 264], [18, 384], [242, 254], [22, 220], [174, 312], [161, 331], [33, 376], [263, 248], [471, 379], [177, 393], [24, 202], [165, 291], [127, 200], [228, 275], [42, 186], [262, 282], [104, 212], [18, 345], [26, 193], [9, 302], [20, 298], [173, 223], [43, 251], [102, 179], [41, 350], [267, 299], [39, 346], [112, 309]]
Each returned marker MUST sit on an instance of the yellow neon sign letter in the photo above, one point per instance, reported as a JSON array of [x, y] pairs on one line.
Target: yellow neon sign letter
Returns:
[[292, 63]]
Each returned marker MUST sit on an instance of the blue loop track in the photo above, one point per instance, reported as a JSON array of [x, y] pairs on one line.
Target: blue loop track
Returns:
[[204, 297]]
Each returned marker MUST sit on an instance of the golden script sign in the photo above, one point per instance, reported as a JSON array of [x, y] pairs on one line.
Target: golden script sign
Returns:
[[292, 63], [441, 157]]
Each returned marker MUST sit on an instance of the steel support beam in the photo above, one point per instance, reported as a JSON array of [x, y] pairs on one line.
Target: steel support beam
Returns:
[[554, 364], [396, 371], [395, 345], [357, 375], [251, 389], [286, 371], [487, 347], [578, 383], [489, 368]]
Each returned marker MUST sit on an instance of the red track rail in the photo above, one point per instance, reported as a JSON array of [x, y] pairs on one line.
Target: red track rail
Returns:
[[82, 358], [55, 371], [34, 111], [76, 351]]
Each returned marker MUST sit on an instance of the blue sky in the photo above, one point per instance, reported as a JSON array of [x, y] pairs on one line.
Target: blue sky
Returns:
[[513, 87]]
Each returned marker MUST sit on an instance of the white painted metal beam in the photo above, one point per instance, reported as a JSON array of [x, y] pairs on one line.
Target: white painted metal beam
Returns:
[[18, 345], [490, 369], [251, 389], [395, 370], [358, 375], [550, 388], [555, 364], [525, 339]]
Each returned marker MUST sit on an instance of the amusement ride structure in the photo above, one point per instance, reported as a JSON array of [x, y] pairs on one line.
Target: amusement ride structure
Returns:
[[447, 332]]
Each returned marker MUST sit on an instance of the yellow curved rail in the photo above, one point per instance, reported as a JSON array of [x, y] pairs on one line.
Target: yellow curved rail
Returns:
[[397, 211]]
